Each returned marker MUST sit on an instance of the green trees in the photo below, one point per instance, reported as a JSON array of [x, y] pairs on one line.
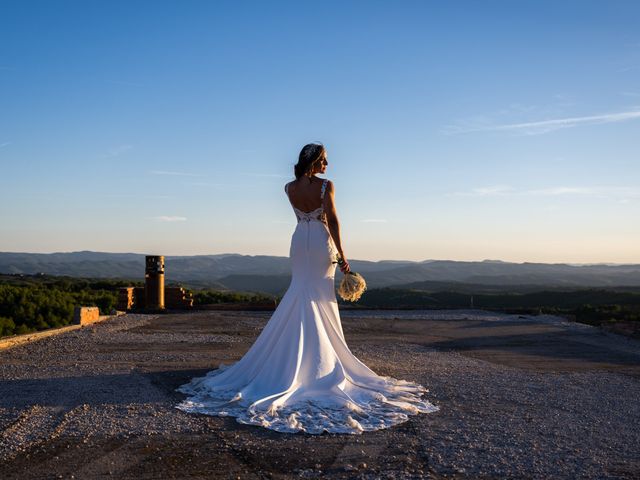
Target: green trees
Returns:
[[32, 304], [29, 303], [206, 297], [35, 302], [7, 326]]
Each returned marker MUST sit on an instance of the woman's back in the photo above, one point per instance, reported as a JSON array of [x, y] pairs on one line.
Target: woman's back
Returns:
[[304, 195], [312, 248]]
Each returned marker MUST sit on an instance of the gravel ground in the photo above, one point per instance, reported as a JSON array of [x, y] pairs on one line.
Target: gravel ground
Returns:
[[519, 397]]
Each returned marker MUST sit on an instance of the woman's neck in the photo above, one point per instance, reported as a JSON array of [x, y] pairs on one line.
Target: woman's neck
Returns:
[[311, 178]]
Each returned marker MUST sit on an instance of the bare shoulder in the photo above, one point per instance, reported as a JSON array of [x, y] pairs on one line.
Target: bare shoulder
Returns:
[[329, 187]]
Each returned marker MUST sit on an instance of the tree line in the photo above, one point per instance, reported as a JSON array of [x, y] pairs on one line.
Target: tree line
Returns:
[[30, 303], [593, 306]]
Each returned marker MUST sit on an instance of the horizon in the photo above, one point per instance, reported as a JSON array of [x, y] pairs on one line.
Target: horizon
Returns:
[[454, 131], [428, 260]]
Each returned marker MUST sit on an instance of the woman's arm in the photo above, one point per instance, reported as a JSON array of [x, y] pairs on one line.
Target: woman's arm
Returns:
[[334, 224]]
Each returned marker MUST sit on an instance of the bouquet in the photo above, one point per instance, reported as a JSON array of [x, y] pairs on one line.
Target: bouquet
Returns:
[[352, 286]]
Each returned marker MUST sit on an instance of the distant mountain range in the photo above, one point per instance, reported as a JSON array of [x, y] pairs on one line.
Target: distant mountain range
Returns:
[[270, 274]]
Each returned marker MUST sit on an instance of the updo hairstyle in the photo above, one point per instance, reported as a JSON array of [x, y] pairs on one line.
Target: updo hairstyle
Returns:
[[310, 156]]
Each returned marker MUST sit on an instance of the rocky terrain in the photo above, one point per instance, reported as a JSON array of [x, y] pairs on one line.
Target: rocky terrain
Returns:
[[520, 397]]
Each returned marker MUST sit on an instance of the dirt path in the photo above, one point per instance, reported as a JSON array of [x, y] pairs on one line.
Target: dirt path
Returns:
[[520, 397]]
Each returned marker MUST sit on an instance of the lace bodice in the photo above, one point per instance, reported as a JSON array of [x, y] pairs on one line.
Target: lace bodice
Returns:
[[316, 215]]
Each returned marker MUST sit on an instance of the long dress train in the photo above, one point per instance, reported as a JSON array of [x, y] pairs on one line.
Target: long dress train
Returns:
[[299, 374]]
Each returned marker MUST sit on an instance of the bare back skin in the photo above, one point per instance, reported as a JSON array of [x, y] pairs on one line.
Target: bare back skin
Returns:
[[304, 194]]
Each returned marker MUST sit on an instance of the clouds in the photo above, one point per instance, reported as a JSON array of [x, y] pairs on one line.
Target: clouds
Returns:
[[117, 151], [622, 193], [208, 184], [273, 175], [487, 191], [543, 126], [167, 218], [554, 191], [131, 195], [180, 174], [190, 174]]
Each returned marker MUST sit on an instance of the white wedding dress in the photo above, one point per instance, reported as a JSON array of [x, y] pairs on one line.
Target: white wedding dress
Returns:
[[299, 374]]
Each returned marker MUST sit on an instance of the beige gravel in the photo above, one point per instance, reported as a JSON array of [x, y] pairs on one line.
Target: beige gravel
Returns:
[[520, 397]]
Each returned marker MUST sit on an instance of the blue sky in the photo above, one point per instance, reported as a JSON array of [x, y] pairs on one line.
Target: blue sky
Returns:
[[455, 130]]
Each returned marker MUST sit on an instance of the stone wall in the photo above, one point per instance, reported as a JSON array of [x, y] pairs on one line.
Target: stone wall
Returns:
[[86, 315]]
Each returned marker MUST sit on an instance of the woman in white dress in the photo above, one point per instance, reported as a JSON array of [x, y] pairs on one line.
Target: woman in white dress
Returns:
[[299, 374]]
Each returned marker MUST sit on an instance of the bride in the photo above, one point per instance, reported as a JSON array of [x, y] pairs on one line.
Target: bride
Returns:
[[299, 374]]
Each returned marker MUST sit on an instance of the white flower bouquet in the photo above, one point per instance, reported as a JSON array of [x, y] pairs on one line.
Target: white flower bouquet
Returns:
[[352, 285]]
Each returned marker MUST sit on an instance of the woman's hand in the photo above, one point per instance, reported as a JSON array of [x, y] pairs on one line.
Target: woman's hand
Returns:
[[344, 266]]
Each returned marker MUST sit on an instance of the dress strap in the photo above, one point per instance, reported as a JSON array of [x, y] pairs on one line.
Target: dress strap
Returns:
[[324, 185]]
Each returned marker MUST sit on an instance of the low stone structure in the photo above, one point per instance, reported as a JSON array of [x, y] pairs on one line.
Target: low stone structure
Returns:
[[86, 315], [126, 298], [177, 297], [133, 298], [154, 296]]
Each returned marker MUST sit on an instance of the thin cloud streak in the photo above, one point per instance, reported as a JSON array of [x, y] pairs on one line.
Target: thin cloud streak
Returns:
[[116, 151], [277, 175], [206, 184], [562, 191], [491, 191], [183, 174], [131, 195], [545, 126], [167, 218], [596, 191], [592, 191], [495, 190]]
